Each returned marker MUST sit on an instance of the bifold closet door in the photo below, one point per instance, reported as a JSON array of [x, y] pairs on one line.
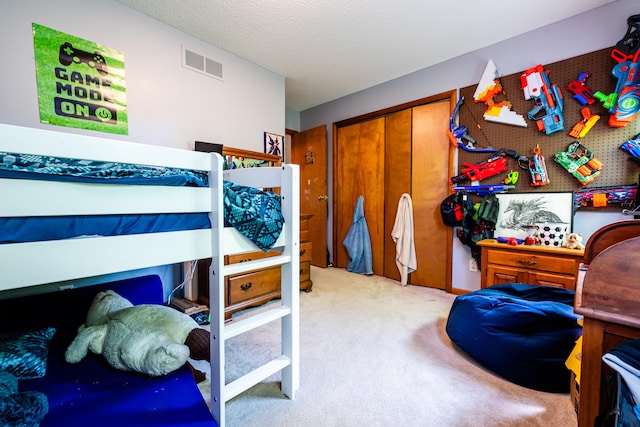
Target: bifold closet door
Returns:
[[397, 179], [430, 165], [359, 170]]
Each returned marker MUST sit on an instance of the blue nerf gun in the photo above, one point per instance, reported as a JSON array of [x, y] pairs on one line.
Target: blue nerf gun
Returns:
[[547, 112], [483, 190]]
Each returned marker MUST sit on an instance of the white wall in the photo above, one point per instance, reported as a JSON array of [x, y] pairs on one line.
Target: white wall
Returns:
[[167, 104], [588, 32]]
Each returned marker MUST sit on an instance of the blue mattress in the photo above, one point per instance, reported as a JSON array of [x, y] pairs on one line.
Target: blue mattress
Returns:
[[92, 393]]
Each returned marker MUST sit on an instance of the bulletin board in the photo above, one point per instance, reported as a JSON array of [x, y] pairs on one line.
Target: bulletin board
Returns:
[[603, 140]]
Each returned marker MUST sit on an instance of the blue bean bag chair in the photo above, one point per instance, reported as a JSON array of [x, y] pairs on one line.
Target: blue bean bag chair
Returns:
[[523, 333]]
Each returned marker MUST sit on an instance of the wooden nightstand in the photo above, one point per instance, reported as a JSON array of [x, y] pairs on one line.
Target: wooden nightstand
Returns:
[[535, 265], [256, 287], [305, 254]]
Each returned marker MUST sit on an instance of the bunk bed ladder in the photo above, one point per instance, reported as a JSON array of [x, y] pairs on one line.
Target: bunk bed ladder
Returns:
[[287, 312]]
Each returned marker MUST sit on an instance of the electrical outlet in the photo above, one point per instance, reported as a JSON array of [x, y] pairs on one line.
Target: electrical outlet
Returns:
[[473, 265]]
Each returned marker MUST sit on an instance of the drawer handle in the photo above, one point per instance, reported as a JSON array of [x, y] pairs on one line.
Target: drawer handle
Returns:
[[246, 286], [303, 251], [245, 260], [527, 261]]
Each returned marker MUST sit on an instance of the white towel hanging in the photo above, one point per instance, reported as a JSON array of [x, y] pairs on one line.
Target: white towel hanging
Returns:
[[402, 235]]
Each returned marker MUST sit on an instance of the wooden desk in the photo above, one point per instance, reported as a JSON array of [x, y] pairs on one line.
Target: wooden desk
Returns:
[[609, 299]]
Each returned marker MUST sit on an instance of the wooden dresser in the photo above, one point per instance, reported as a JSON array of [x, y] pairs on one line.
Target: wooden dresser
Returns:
[[532, 264], [256, 287]]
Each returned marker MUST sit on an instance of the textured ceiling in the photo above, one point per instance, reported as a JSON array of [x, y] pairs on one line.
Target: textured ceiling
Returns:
[[327, 49]]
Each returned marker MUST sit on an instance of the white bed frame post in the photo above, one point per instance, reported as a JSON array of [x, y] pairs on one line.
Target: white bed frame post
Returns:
[[291, 280], [216, 292], [287, 178]]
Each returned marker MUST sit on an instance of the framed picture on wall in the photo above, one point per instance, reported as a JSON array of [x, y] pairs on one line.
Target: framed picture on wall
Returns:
[[517, 211], [274, 144]]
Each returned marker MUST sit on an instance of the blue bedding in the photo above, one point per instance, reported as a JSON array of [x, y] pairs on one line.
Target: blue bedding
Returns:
[[255, 213], [35, 229], [92, 393]]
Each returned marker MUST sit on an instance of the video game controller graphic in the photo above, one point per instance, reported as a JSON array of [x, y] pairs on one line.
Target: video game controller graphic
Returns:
[[68, 55]]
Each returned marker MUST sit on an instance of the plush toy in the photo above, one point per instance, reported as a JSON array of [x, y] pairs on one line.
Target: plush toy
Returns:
[[574, 241], [147, 338], [24, 409]]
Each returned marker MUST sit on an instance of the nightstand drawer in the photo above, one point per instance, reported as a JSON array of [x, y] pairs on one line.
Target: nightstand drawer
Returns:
[[532, 261], [252, 285], [305, 271], [305, 252], [249, 256]]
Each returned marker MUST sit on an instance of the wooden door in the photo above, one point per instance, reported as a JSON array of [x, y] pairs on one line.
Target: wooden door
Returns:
[[309, 150], [430, 172], [359, 170], [397, 177]]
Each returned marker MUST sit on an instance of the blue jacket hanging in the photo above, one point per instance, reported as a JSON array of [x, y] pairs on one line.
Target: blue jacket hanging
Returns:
[[358, 243]]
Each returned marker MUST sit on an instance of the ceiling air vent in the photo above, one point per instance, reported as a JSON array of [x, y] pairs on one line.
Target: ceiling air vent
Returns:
[[196, 62]]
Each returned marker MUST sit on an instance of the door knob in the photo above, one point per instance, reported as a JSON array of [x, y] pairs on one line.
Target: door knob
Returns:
[[323, 197]]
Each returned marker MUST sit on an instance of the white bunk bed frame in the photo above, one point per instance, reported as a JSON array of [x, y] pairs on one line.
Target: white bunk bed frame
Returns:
[[65, 260]]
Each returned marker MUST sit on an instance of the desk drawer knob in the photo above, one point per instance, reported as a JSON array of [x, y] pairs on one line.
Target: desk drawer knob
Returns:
[[527, 261], [246, 286]]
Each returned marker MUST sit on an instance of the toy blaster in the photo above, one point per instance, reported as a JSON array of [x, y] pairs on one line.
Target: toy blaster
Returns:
[[602, 196], [583, 127], [459, 135], [632, 147], [537, 169], [547, 112], [488, 88], [579, 162], [624, 103], [477, 172], [581, 91], [483, 190], [510, 241]]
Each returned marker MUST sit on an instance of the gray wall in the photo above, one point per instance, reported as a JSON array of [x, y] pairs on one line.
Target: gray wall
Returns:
[[588, 32]]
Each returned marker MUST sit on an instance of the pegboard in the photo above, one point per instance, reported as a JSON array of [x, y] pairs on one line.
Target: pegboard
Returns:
[[603, 140]]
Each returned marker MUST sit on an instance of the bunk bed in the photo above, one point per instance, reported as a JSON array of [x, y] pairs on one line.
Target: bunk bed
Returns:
[[63, 260]]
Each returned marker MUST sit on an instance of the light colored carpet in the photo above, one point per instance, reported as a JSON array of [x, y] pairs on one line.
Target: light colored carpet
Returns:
[[375, 353]]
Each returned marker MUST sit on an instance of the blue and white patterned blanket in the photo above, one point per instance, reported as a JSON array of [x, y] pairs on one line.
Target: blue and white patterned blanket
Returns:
[[255, 213], [30, 166]]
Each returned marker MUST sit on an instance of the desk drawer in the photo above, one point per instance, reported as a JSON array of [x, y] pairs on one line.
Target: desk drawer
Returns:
[[244, 287], [532, 261]]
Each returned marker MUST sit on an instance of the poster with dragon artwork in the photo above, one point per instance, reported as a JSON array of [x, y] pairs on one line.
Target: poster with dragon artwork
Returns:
[[519, 211]]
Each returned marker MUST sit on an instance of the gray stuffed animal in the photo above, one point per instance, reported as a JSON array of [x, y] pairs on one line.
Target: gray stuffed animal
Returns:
[[145, 338]]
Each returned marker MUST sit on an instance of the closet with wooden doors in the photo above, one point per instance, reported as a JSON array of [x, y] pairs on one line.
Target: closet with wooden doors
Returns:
[[383, 155]]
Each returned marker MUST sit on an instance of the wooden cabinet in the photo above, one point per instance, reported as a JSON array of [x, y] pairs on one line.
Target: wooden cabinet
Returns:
[[306, 253], [256, 287], [535, 265]]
